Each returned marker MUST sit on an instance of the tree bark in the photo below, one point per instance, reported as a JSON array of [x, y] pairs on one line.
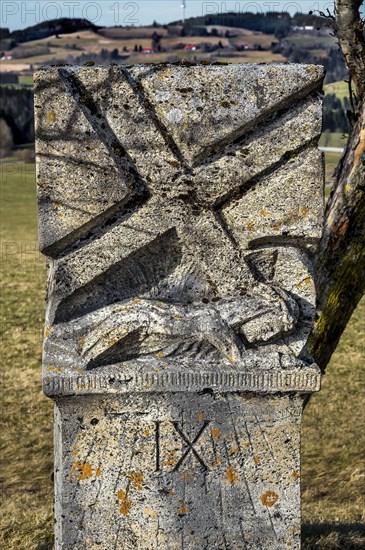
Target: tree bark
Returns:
[[340, 260], [349, 29]]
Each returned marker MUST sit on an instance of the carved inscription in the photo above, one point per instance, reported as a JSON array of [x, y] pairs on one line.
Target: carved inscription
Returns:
[[189, 443], [180, 207]]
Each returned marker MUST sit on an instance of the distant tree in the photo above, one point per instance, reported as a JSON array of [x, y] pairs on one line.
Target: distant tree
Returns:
[[104, 54], [17, 109], [6, 138], [156, 38], [282, 31], [114, 56], [335, 65]]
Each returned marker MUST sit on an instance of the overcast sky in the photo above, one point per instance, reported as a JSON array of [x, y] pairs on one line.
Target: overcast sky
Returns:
[[16, 14]]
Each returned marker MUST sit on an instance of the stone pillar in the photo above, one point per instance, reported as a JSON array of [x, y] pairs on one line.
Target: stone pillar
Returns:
[[179, 207]]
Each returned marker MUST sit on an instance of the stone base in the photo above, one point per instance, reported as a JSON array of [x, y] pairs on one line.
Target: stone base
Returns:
[[178, 471]]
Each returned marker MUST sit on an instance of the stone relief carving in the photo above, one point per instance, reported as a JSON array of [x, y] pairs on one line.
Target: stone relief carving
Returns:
[[180, 230], [180, 207]]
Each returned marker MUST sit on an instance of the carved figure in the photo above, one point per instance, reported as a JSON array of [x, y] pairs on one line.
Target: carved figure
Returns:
[[174, 265]]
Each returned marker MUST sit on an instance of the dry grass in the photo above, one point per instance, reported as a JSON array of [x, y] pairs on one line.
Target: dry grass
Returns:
[[26, 435], [251, 56], [331, 163], [333, 474], [318, 52], [340, 89], [308, 40]]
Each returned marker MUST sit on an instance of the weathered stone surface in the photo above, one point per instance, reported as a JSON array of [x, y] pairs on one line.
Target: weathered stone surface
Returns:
[[180, 208], [178, 471]]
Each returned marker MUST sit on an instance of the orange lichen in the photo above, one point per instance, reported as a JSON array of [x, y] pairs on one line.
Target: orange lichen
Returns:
[[277, 226], [234, 451], [306, 281], [269, 498], [200, 416], [136, 479], [296, 474], [256, 459], [231, 475], [54, 369], [146, 433], [170, 458], [215, 432], [84, 470], [125, 503], [263, 212], [250, 226], [184, 508], [47, 331], [216, 462], [185, 475], [51, 116]]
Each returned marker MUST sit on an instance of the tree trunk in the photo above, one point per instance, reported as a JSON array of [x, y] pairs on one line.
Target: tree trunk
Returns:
[[349, 29], [340, 261]]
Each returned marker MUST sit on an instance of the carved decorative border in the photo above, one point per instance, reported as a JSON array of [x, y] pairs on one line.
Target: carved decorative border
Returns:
[[305, 381]]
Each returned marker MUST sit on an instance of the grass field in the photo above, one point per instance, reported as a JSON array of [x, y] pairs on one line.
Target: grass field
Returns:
[[26, 79], [333, 435], [331, 163], [308, 40], [340, 89], [333, 139]]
